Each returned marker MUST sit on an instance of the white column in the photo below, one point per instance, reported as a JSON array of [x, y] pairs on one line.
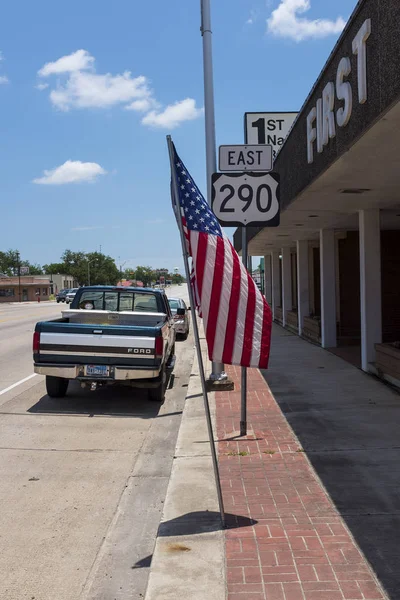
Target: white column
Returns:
[[286, 283], [303, 293], [268, 278], [275, 282], [370, 284], [328, 292]]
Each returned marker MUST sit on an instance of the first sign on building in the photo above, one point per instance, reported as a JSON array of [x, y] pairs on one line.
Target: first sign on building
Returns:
[[245, 158]]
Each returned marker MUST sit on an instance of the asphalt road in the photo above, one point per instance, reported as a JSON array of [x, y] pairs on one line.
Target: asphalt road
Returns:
[[82, 479]]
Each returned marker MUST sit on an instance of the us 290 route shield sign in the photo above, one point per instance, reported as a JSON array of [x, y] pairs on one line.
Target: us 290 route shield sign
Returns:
[[241, 199]]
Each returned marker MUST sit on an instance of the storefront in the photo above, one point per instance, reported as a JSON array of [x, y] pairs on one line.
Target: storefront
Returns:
[[332, 267], [24, 289]]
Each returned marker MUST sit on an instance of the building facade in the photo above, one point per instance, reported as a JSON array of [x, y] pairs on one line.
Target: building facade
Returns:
[[332, 267], [24, 289]]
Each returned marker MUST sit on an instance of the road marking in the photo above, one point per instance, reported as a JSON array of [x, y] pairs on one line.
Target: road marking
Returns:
[[18, 383]]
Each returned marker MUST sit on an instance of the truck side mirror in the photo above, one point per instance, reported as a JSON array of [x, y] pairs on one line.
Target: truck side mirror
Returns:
[[180, 312]]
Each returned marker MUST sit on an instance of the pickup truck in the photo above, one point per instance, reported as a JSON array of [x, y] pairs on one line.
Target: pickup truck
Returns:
[[109, 335]]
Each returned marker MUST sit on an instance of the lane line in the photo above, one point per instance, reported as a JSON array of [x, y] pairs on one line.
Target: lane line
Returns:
[[11, 387]]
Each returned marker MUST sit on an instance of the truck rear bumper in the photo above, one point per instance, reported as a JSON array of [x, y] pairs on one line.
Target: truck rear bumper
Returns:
[[77, 372]]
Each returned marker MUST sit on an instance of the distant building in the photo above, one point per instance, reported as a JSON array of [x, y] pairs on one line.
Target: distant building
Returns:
[[129, 283], [61, 281], [24, 289]]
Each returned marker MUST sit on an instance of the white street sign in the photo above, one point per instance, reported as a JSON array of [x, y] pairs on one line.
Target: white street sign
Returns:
[[245, 158], [268, 128], [241, 199], [24, 270]]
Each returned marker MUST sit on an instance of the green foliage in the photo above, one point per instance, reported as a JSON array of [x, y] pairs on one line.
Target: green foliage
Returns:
[[144, 274], [10, 261], [99, 268]]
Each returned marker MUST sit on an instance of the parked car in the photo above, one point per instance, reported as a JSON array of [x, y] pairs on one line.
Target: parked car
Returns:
[[180, 313], [61, 295], [109, 335], [70, 295]]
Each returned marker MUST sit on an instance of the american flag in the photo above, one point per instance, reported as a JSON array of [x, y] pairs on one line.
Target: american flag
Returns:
[[237, 319]]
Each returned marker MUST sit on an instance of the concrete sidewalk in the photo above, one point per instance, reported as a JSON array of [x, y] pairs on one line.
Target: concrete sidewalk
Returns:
[[311, 495], [188, 559]]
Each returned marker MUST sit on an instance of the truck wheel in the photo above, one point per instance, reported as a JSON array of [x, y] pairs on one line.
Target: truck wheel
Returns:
[[157, 394], [56, 387]]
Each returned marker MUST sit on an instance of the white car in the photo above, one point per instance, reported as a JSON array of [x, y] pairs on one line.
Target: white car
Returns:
[[71, 295], [180, 313]]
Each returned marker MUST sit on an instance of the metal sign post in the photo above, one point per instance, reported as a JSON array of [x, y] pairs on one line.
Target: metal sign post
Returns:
[[243, 388]]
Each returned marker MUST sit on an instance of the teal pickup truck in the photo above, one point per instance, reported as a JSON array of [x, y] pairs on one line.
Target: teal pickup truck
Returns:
[[109, 335]]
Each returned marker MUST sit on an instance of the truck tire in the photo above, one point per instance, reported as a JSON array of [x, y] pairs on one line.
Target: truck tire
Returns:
[[157, 394], [56, 387]]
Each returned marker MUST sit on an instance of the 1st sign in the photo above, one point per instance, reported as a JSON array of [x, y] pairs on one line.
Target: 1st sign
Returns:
[[242, 199]]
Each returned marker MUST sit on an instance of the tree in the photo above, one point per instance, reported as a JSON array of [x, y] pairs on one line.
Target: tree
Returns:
[[144, 274], [54, 268], [177, 278], [94, 266]]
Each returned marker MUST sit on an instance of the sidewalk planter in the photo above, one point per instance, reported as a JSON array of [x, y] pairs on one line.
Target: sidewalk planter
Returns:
[[292, 321], [312, 329], [388, 359], [279, 315]]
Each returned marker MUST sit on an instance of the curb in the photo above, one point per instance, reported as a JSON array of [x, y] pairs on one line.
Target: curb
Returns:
[[189, 557]]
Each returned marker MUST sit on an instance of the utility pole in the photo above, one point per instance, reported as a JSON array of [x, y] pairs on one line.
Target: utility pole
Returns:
[[19, 276]]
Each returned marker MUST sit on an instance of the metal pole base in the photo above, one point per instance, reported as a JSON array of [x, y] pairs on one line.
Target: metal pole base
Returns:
[[243, 427]]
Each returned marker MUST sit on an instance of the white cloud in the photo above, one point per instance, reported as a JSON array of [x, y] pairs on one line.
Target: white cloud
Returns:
[[89, 90], [41, 86], [4, 79], [82, 87], [77, 61], [285, 22], [173, 115], [87, 228], [143, 105], [71, 172]]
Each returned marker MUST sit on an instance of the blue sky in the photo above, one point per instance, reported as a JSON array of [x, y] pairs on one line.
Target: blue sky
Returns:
[[83, 158]]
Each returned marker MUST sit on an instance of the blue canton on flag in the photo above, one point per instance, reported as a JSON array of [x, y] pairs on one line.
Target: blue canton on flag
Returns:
[[194, 207]]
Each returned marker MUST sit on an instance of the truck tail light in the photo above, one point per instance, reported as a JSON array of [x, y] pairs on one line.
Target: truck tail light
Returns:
[[159, 347], [36, 341]]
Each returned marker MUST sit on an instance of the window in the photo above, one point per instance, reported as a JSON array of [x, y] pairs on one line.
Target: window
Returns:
[[7, 292], [125, 301], [111, 301], [44, 291], [145, 303], [37, 292], [118, 301], [94, 298], [174, 304]]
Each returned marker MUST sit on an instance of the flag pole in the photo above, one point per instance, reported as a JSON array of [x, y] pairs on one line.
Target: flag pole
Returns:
[[177, 210], [218, 369], [243, 390]]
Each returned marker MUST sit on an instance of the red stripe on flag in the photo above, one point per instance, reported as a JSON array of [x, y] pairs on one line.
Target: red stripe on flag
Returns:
[[265, 337], [249, 327], [200, 261], [233, 309], [215, 295]]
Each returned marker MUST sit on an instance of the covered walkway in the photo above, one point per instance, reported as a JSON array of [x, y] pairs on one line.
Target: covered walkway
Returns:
[[347, 422]]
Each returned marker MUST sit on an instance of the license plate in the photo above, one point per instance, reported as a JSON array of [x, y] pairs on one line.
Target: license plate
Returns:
[[97, 370]]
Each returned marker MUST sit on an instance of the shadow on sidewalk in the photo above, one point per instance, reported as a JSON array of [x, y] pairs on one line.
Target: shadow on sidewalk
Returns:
[[202, 521], [348, 424]]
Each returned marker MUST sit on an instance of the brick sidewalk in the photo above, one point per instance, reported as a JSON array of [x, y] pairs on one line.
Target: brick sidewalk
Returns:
[[299, 548]]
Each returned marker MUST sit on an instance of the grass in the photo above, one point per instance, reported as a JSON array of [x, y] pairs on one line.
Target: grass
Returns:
[[268, 451], [300, 450], [241, 453]]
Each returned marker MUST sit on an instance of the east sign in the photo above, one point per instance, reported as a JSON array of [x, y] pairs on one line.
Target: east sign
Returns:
[[245, 158]]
